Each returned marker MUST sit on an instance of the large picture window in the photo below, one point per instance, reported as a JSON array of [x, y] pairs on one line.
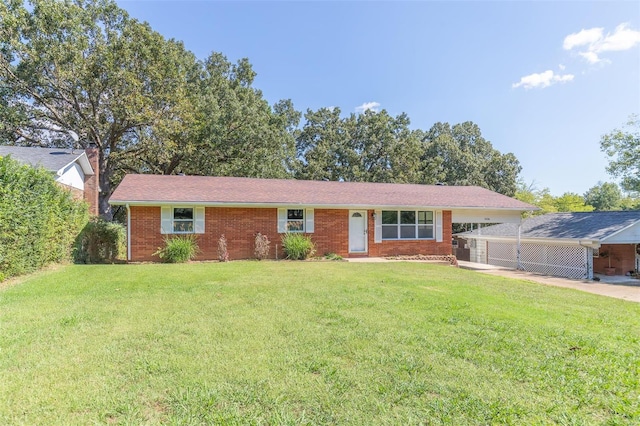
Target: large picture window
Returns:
[[407, 225]]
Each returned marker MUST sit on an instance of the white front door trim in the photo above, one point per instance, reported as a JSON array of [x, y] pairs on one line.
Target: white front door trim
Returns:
[[358, 231]]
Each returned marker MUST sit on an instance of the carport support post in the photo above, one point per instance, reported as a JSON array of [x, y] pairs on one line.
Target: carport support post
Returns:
[[518, 264]]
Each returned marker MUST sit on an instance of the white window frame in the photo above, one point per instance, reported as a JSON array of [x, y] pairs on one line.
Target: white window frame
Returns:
[[175, 221], [415, 225], [296, 221], [168, 221], [307, 220]]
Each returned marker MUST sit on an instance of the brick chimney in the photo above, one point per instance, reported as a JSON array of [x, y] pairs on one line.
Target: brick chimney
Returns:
[[92, 183]]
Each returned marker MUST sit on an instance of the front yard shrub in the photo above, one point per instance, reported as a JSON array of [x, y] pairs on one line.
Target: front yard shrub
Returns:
[[39, 219], [261, 250], [298, 246], [223, 252], [178, 249], [101, 242]]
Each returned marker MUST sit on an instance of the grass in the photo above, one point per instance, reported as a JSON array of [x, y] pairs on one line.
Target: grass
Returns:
[[312, 343]]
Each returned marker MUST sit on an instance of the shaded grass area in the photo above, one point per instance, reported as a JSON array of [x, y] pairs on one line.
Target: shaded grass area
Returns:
[[312, 343]]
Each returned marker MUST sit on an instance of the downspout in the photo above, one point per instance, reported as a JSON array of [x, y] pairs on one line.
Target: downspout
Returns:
[[128, 232]]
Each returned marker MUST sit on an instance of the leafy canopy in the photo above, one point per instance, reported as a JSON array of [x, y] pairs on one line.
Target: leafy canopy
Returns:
[[622, 146]]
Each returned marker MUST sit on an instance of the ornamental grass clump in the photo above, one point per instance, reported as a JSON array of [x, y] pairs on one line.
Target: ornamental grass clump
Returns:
[[261, 250], [298, 246], [178, 249]]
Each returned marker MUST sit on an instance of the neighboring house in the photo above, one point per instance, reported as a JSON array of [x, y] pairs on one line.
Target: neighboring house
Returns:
[[573, 245], [77, 170], [349, 219]]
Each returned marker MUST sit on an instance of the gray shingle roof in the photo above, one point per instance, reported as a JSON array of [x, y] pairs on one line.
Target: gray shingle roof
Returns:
[[582, 225], [52, 159]]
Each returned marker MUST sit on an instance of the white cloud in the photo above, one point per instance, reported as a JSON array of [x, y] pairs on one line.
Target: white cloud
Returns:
[[562, 67], [623, 38], [542, 80], [582, 38], [373, 106]]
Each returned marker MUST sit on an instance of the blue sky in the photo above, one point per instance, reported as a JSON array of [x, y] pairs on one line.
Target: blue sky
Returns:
[[544, 80]]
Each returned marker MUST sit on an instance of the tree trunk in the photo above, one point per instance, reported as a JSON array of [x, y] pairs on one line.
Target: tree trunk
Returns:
[[105, 189]]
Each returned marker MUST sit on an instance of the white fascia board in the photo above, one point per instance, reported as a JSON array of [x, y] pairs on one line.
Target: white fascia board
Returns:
[[84, 163], [584, 242]]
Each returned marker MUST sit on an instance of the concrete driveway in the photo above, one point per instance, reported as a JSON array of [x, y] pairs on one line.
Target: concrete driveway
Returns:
[[625, 288]]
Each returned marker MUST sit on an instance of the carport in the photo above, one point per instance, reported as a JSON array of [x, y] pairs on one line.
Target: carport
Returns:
[[572, 245]]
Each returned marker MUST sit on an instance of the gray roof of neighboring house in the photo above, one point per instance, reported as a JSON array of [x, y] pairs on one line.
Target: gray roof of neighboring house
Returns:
[[577, 225], [52, 159]]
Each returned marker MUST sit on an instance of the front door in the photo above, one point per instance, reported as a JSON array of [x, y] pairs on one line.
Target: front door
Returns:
[[357, 231]]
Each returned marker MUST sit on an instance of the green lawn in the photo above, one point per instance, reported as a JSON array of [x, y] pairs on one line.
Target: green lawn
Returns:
[[312, 343]]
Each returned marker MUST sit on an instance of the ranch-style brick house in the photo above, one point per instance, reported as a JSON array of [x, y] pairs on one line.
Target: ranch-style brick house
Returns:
[[347, 218]]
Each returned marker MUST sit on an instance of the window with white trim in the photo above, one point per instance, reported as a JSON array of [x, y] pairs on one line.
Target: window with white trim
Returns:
[[407, 225], [183, 220], [295, 220]]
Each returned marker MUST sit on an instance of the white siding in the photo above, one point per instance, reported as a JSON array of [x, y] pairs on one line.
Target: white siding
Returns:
[[72, 176], [628, 236], [485, 216]]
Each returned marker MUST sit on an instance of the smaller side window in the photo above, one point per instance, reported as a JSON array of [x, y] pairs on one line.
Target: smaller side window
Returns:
[[183, 220], [295, 220]]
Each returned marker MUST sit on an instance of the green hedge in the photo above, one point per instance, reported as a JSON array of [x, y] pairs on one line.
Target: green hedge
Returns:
[[101, 242], [39, 220]]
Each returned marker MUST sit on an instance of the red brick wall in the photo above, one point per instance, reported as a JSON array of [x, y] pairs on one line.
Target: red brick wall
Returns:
[[622, 256], [91, 183], [331, 232], [239, 226], [145, 233]]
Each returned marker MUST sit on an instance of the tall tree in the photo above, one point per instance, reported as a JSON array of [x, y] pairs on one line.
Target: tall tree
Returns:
[[239, 134], [604, 196], [368, 147], [459, 155], [622, 146], [84, 70], [323, 146], [386, 150], [571, 202]]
